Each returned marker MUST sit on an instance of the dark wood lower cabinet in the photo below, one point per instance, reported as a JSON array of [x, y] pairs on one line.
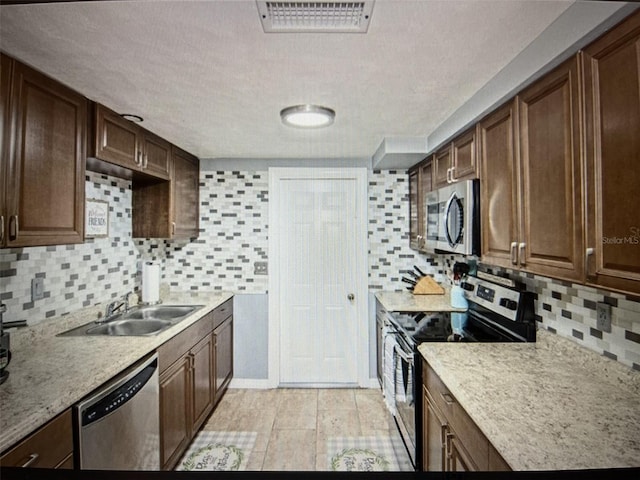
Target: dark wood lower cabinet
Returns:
[[49, 447], [223, 338], [196, 367], [175, 399], [203, 364], [451, 440]]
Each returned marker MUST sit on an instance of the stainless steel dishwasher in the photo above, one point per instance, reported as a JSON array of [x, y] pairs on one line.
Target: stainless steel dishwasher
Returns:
[[119, 426]]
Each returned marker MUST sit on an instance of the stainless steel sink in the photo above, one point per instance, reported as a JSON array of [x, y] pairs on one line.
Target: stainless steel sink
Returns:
[[159, 312], [129, 327], [139, 321]]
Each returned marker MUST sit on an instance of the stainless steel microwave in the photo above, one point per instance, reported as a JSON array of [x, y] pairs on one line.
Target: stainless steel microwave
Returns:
[[452, 218]]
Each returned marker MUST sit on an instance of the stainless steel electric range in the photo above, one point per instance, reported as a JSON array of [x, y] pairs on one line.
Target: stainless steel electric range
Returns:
[[498, 312]]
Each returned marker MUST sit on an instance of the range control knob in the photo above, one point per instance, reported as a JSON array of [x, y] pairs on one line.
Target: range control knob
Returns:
[[467, 286], [508, 304]]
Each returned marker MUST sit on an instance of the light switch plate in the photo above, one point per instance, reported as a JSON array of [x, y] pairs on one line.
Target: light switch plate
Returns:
[[260, 268], [37, 289], [603, 317]]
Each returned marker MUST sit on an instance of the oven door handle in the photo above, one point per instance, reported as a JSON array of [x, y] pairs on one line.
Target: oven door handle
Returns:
[[406, 356]]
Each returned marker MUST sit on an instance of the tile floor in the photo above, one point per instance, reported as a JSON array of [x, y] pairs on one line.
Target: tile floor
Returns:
[[293, 425]]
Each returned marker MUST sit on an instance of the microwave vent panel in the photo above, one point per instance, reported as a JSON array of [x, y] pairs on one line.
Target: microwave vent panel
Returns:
[[315, 17]]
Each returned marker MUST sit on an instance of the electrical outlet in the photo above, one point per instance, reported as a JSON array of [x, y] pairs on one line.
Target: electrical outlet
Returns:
[[37, 289], [603, 317], [260, 268]]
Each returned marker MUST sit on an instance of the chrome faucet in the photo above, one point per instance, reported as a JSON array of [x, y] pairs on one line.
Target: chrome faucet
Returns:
[[116, 305]]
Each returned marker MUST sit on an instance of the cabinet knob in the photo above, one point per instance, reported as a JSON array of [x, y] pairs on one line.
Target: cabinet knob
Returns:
[[351, 297]]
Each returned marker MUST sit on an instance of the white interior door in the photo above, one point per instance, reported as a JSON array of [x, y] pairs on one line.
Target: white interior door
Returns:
[[318, 263]]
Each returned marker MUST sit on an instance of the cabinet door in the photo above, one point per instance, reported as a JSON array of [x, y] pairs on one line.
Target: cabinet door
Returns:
[[175, 412], [551, 240], [414, 216], [203, 380], [117, 140], [459, 459], [224, 357], [45, 194], [49, 447], [434, 431], [612, 110], [464, 156], [498, 188], [442, 163], [156, 158], [6, 66], [185, 194]]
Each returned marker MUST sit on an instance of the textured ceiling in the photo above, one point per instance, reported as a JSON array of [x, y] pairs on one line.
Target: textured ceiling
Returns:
[[205, 76]]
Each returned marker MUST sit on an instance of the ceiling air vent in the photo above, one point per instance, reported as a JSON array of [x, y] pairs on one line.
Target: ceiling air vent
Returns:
[[315, 17]]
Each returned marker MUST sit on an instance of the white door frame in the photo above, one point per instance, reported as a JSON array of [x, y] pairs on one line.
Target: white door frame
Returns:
[[276, 175]]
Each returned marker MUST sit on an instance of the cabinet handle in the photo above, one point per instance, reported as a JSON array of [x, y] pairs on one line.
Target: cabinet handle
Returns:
[[521, 254], [1, 230], [146, 161], [587, 260], [514, 253], [448, 175], [139, 159], [447, 443], [453, 178], [173, 228], [14, 226], [448, 399], [33, 458]]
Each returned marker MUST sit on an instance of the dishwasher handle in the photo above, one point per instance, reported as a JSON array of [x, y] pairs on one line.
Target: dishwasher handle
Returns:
[[119, 393]]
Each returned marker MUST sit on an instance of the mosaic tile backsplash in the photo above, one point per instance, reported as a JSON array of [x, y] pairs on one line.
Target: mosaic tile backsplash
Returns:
[[234, 235]]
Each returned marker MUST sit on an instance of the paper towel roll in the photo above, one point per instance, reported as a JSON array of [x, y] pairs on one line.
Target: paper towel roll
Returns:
[[150, 282]]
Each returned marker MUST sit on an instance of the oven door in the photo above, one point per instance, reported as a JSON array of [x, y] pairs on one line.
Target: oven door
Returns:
[[405, 397]]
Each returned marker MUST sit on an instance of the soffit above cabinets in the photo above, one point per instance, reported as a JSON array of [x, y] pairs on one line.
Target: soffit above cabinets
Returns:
[[205, 75]]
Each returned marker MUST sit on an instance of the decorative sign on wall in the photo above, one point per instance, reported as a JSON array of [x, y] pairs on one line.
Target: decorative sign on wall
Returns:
[[96, 218]]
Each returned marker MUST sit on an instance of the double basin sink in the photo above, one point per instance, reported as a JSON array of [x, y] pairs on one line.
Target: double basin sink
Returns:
[[138, 321]]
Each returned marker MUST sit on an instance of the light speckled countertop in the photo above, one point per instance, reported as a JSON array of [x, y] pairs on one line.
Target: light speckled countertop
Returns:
[[407, 302], [50, 374], [549, 405]]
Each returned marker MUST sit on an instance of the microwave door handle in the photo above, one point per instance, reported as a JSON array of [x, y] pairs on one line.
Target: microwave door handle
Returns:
[[447, 233]]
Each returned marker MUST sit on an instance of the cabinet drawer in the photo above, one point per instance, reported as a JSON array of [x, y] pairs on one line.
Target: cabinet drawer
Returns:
[[439, 393], [221, 313], [48, 447], [175, 348], [463, 427]]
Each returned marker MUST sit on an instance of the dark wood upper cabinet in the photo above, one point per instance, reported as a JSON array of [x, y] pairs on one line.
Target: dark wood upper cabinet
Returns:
[[420, 183], [499, 186], [612, 117], [156, 155], [551, 225], [442, 163], [43, 159], [185, 195], [464, 156], [531, 184], [457, 160], [168, 209], [124, 144]]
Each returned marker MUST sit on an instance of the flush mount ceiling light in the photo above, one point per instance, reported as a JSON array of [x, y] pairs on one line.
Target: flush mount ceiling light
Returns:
[[307, 116], [131, 117], [315, 16]]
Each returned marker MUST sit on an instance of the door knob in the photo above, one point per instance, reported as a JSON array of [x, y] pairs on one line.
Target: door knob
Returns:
[[351, 297]]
